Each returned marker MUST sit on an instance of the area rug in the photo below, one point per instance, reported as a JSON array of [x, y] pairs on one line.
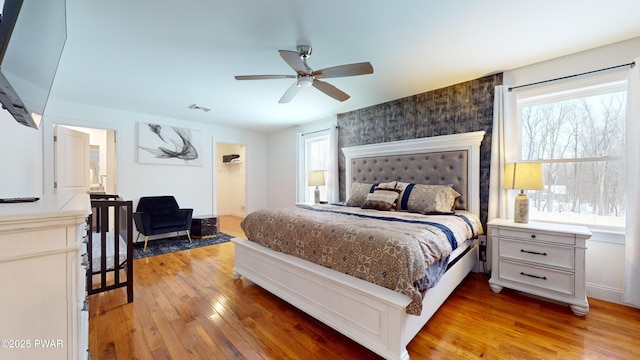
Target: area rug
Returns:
[[176, 243]]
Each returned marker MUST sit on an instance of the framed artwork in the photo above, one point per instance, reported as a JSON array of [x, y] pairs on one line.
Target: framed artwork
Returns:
[[169, 145]]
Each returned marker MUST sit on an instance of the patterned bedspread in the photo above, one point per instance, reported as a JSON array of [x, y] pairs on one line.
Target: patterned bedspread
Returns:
[[387, 248]]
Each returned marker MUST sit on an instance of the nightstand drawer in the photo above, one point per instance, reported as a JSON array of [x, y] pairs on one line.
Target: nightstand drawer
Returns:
[[528, 235], [555, 280], [538, 253]]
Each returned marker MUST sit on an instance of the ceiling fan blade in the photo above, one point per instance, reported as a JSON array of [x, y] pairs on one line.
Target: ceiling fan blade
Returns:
[[362, 68], [290, 93], [264, 77], [330, 90], [293, 59]]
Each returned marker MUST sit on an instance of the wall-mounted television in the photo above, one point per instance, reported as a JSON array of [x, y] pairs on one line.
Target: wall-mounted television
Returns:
[[32, 36]]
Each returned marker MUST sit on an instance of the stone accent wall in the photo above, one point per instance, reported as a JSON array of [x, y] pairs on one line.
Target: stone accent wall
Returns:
[[455, 109]]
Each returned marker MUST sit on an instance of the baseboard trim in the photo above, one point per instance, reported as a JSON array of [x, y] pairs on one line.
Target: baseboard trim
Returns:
[[233, 213], [604, 293]]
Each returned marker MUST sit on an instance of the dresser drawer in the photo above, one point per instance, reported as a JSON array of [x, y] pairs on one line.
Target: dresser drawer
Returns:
[[525, 234], [209, 225], [554, 280], [537, 253]]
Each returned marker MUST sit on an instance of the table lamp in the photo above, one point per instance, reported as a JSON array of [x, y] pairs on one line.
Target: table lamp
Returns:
[[316, 178], [522, 176]]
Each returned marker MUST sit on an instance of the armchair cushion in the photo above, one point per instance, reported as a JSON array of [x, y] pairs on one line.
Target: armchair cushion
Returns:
[[161, 214]]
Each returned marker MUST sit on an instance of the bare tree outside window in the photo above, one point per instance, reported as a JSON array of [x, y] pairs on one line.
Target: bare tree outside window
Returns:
[[581, 143]]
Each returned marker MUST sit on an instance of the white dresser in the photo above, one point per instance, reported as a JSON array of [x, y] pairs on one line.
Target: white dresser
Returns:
[[43, 280], [543, 259]]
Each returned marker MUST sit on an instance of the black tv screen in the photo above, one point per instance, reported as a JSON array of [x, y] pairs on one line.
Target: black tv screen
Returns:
[[32, 36]]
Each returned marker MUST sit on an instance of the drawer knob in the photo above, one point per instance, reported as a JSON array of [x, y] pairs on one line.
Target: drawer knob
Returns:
[[533, 236], [533, 276], [533, 252]]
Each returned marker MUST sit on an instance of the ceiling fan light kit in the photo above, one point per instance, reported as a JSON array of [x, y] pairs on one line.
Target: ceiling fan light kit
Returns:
[[305, 80], [306, 77]]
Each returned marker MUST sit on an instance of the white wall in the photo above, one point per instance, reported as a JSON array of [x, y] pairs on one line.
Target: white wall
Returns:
[[282, 178], [20, 158], [605, 251], [27, 160], [594, 59]]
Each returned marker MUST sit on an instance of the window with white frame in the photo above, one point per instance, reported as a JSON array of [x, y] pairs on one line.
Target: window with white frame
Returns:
[[576, 129], [316, 157]]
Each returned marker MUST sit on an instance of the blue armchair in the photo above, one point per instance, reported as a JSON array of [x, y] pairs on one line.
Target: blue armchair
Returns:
[[159, 215]]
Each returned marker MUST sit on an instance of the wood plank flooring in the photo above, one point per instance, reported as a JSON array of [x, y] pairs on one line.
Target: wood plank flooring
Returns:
[[188, 306]]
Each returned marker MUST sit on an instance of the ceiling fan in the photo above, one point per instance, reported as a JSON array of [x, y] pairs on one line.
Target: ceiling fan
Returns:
[[305, 76]]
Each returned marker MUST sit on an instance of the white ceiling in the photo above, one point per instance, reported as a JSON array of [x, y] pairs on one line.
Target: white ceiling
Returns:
[[159, 57]]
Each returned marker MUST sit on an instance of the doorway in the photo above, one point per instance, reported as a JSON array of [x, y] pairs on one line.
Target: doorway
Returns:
[[101, 167], [231, 179]]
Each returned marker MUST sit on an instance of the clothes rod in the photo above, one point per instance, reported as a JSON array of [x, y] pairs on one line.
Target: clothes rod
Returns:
[[631, 64]]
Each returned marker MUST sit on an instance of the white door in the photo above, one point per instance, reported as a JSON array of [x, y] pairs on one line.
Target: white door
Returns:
[[71, 156]]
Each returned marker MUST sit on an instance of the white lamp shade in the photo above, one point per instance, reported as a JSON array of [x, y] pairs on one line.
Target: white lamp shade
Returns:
[[316, 178], [523, 176]]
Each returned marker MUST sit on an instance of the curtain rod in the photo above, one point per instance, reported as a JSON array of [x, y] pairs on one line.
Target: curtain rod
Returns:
[[631, 64], [317, 131]]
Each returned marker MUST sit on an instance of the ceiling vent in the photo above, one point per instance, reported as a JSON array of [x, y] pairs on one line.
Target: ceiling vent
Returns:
[[198, 107]]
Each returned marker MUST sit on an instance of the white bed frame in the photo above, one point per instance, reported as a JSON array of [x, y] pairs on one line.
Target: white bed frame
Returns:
[[366, 313]]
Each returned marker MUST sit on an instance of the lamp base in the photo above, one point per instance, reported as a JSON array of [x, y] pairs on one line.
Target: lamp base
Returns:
[[316, 194], [521, 209]]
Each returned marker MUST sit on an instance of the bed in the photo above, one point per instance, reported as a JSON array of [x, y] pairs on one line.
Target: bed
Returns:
[[379, 318], [110, 245]]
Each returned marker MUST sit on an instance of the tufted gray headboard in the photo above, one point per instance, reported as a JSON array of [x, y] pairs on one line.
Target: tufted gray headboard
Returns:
[[438, 160], [438, 168]]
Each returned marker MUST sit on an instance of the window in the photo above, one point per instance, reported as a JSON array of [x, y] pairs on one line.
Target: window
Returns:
[[316, 157], [577, 131]]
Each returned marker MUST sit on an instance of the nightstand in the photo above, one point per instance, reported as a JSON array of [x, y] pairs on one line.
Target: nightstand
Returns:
[[542, 259], [204, 226]]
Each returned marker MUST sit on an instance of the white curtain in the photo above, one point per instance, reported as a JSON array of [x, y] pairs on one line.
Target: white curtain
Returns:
[[301, 183], [631, 284], [498, 199], [331, 176], [332, 173]]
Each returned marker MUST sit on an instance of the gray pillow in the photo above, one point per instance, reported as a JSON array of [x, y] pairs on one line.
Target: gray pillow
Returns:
[[359, 191], [429, 199], [382, 199]]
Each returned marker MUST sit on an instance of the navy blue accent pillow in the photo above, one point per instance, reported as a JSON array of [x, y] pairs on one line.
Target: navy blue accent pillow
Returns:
[[405, 196]]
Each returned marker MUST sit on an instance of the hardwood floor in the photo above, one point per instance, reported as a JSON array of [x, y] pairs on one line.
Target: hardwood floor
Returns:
[[188, 306]]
